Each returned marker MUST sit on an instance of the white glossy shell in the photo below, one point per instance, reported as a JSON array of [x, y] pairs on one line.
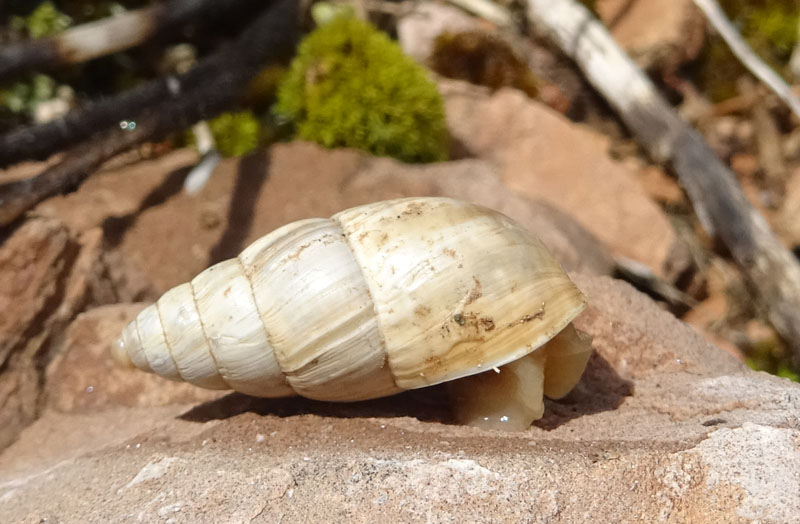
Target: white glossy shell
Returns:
[[379, 298]]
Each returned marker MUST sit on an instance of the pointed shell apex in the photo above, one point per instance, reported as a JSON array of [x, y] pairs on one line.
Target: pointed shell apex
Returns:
[[120, 354]]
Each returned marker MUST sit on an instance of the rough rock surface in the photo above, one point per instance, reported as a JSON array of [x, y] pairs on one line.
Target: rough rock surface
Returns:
[[662, 428], [544, 156], [84, 377], [47, 275], [658, 34], [245, 200]]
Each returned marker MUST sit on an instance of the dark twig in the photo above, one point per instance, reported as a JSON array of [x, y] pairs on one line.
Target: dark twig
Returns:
[[268, 39], [17, 197], [645, 280], [110, 35], [38, 142]]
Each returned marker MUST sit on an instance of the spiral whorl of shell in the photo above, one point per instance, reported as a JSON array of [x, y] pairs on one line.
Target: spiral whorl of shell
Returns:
[[383, 297]]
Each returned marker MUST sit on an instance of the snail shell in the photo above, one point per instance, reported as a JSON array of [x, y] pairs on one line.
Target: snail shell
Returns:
[[379, 298]]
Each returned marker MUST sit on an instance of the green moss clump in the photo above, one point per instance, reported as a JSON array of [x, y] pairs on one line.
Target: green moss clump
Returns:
[[784, 371], [22, 97], [236, 134], [45, 20], [351, 86], [775, 29], [481, 58], [770, 356], [769, 26]]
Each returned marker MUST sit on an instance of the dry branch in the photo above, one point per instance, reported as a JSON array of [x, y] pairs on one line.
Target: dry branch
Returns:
[[38, 142], [108, 35], [19, 196], [270, 38], [644, 279], [713, 189]]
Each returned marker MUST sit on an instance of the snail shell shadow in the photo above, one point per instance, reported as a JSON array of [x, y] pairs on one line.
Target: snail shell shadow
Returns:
[[600, 389]]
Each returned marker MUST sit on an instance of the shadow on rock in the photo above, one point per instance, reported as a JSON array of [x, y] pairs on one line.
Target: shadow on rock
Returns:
[[428, 405], [600, 389], [250, 178], [115, 227]]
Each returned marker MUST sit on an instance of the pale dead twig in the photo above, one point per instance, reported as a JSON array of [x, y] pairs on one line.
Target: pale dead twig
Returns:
[[745, 54], [209, 158], [715, 193]]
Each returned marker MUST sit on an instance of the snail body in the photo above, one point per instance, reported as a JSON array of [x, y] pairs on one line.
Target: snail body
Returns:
[[377, 299]]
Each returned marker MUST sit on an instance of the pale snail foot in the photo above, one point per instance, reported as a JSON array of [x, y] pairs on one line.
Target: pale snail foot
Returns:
[[511, 397]]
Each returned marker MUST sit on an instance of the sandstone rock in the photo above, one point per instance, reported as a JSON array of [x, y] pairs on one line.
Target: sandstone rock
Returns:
[[84, 377], [542, 155], [246, 199], [32, 259], [726, 300], [788, 223], [47, 276], [101, 200], [708, 314], [658, 34], [23, 170], [661, 187], [662, 428]]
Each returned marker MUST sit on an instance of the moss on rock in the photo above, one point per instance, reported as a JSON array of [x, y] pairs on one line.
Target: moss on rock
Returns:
[[351, 86], [236, 134]]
